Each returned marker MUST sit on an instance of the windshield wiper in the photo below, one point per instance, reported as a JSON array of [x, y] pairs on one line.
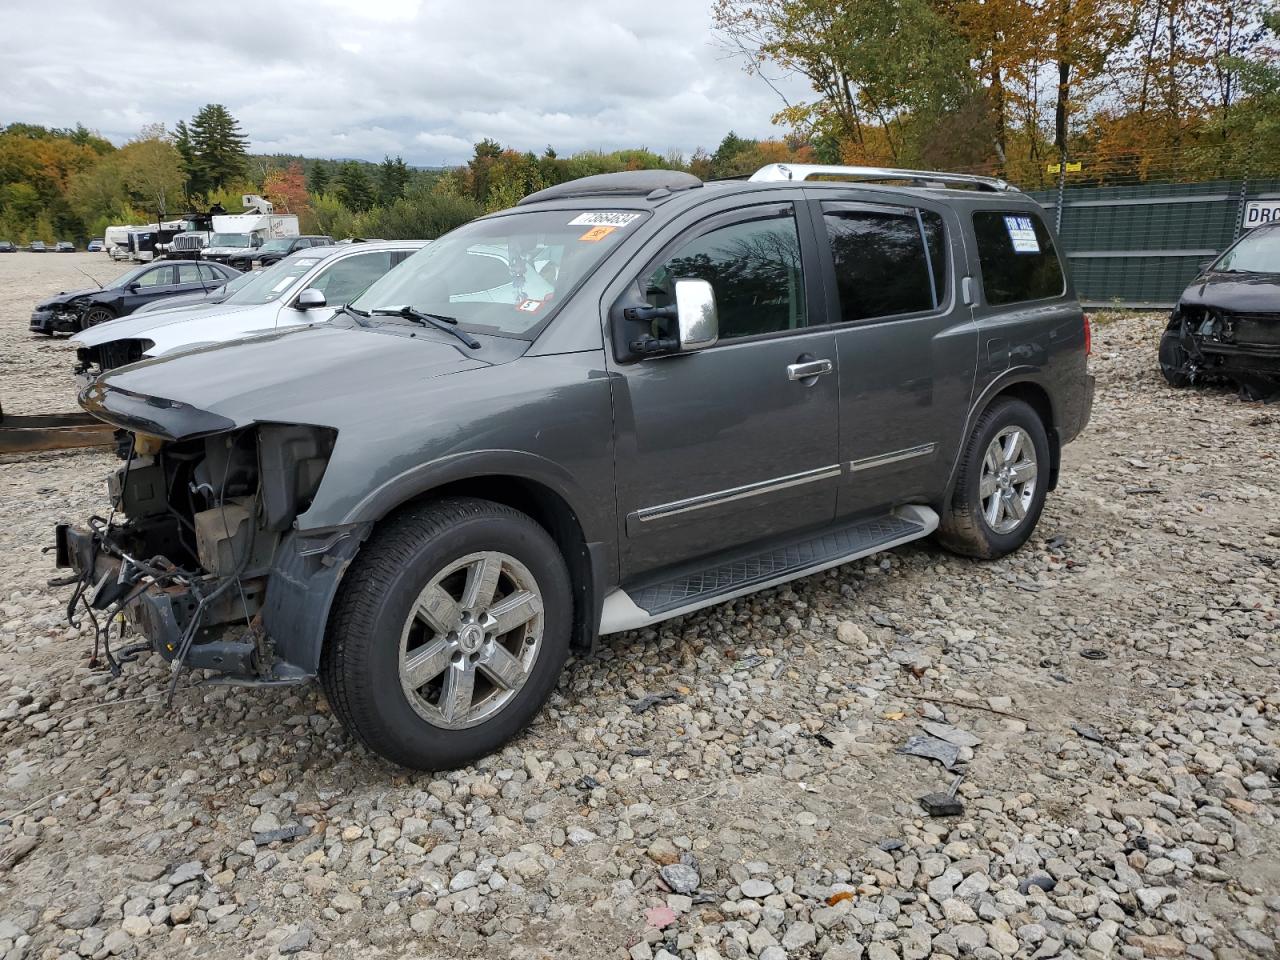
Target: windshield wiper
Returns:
[[357, 315], [447, 324]]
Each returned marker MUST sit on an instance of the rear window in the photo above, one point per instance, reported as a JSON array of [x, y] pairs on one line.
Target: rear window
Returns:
[[1019, 262]]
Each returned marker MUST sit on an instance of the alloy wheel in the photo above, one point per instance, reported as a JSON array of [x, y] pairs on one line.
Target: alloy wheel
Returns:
[[471, 640], [1008, 484]]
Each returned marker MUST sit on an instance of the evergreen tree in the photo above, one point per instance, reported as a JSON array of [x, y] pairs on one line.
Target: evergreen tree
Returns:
[[318, 178], [393, 177], [218, 148], [354, 188]]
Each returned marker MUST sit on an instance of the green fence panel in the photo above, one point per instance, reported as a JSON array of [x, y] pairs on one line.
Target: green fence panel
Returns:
[[1140, 245]]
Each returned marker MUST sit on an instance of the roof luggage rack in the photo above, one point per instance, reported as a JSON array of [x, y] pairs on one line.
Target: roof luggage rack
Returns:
[[650, 184], [925, 178]]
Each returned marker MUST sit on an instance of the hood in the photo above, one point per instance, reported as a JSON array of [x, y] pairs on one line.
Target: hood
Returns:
[[1235, 292], [64, 297], [306, 374], [148, 325]]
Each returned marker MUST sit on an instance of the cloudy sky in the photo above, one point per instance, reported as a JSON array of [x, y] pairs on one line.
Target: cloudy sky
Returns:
[[362, 78]]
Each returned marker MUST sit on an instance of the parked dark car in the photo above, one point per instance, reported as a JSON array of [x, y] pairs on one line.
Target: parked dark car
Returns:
[[7, 246], [630, 397], [64, 246], [1226, 326], [38, 246], [273, 251], [80, 309], [95, 246]]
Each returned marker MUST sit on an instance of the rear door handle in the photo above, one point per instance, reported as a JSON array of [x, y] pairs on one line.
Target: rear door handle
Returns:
[[810, 368]]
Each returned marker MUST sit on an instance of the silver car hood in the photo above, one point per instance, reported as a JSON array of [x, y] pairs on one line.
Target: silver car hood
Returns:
[[130, 328]]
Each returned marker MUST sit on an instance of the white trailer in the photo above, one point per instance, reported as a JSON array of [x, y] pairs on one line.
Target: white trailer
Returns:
[[234, 233]]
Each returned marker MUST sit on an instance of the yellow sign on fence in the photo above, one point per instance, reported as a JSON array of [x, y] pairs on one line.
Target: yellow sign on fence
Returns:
[[1073, 166]]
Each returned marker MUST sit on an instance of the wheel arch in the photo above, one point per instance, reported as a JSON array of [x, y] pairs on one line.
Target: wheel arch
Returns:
[[549, 507], [1019, 385]]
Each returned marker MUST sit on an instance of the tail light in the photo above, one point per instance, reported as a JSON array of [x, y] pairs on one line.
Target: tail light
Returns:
[[1088, 335]]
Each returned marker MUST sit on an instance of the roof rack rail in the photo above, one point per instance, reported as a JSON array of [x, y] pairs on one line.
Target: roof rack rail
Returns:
[[926, 178]]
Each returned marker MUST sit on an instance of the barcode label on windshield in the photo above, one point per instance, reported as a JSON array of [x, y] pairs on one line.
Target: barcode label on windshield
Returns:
[[603, 218]]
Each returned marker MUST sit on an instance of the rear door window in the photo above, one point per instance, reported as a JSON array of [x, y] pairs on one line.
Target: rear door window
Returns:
[[189, 273], [1017, 256], [888, 260]]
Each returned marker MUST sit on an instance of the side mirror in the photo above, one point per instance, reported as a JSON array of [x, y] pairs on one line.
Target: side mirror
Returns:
[[134, 287], [310, 299], [696, 318]]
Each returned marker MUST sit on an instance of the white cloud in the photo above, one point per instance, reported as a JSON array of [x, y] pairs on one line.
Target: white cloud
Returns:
[[421, 78]]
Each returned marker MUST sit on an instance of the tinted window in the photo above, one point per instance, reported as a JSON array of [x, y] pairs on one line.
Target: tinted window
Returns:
[[935, 236], [1017, 256], [208, 273], [754, 269], [349, 277], [880, 263]]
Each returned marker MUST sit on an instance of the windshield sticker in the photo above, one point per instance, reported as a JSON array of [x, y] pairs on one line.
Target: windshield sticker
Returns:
[[528, 306], [282, 284], [603, 218], [309, 262], [597, 233], [1022, 234]]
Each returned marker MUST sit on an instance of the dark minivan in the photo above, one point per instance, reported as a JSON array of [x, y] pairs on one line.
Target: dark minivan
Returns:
[[630, 397]]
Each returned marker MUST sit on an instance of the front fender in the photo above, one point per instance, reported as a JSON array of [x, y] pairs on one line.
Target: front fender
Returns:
[[475, 464]]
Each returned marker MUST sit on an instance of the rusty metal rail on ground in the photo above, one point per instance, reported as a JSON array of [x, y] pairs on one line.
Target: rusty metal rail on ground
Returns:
[[32, 433]]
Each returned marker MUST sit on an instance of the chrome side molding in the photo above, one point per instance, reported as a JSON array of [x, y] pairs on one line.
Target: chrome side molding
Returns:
[[893, 456], [702, 501]]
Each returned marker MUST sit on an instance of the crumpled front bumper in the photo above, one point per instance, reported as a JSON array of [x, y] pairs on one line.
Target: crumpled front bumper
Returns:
[[49, 320]]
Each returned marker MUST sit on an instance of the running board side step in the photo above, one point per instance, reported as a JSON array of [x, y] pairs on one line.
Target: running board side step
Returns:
[[651, 603]]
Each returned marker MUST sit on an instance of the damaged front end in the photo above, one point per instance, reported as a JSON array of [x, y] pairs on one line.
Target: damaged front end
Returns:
[[200, 554], [1218, 344]]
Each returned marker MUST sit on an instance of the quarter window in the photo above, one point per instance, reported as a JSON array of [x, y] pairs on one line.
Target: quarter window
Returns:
[[754, 269], [881, 264], [1018, 259], [208, 273]]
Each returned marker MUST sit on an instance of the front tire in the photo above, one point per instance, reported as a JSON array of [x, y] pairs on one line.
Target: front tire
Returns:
[[97, 315], [448, 633], [1175, 362], [1001, 485]]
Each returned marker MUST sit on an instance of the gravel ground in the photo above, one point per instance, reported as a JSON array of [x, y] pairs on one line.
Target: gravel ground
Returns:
[[1110, 691]]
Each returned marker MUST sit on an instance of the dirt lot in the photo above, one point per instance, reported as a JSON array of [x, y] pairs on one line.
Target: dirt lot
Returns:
[[1113, 688]]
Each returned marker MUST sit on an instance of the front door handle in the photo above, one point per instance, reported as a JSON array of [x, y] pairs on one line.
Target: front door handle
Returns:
[[808, 369]]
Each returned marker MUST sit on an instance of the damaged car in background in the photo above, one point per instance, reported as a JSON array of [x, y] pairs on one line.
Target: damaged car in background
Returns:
[[1226, 326], [533, 433]]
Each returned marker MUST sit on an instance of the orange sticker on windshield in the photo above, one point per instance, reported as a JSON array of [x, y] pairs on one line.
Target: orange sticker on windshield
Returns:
[[597, 233], [529, 306]]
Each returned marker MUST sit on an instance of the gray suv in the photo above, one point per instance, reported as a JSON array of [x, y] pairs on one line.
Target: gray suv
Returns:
[[628, 398]]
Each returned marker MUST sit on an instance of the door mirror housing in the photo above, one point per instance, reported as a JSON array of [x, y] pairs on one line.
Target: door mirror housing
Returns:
[[134, 287], [310, 299], [696, 318]]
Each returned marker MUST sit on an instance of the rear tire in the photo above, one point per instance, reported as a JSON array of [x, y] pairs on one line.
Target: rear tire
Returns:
[[1175, 362], [1001, 484], [448, 634]]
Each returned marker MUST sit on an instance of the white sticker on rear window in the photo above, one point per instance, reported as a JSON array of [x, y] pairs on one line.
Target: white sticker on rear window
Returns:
[[603, 218], [1022, 233]]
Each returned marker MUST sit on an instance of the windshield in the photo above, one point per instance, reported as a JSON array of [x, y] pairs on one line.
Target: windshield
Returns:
[[504, 275], [276, 246], [1255, 253], [271, 283], [229, 240]]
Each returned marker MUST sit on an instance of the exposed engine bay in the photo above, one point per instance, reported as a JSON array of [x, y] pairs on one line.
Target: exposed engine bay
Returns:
[[1216, 344], [191, 545]]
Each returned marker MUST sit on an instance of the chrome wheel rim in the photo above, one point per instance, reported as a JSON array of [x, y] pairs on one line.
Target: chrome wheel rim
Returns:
[[1008, 483], [471, 640]]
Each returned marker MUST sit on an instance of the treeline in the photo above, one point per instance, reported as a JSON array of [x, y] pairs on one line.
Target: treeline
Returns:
[[71, 183], [1136, 89]]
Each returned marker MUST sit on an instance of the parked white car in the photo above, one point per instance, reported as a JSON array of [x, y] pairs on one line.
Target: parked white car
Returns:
[[302, 288]]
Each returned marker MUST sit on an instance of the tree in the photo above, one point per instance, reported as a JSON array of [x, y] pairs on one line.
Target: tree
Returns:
[[318, 178], [213, 149], [354, 189], [421, 214], [393, 177], [287, 189], [151, 169]]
